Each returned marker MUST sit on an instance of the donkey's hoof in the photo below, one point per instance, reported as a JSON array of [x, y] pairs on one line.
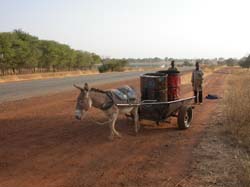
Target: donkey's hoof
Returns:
[[137, 131], [119, 136], [111, 138]]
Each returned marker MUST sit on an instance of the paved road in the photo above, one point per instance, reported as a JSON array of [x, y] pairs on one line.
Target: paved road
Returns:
[[25, 89]]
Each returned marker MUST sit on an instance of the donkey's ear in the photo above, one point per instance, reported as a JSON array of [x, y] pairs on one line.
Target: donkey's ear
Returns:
[[78, 87], [86, 87]]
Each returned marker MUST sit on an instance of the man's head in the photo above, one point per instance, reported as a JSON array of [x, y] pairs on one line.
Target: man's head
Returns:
[[197, 65], [172, 64]]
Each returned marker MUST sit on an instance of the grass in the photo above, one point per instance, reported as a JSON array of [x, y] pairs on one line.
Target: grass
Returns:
[[236, 108], [11, 78]]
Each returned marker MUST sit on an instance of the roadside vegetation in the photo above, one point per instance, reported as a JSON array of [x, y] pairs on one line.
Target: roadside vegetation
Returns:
[[237, 108], [222, 158], [113, 65], [237, 119], [21, 53], [245, 62]]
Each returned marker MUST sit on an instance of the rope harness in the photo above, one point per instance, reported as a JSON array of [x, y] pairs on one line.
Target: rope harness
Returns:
[[110, 103], [105, 106]]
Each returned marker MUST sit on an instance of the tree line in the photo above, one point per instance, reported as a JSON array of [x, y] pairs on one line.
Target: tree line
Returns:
[[245, 62], [21, 52]]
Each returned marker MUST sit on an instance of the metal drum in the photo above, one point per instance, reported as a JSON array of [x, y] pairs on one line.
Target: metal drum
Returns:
[[173, 84], [154, 86]]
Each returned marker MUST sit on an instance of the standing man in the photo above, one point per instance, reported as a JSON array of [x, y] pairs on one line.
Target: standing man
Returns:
[[172, 68], [197, 80]]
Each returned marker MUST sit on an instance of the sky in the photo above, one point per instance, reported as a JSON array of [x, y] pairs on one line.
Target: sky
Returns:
[[136, 28]]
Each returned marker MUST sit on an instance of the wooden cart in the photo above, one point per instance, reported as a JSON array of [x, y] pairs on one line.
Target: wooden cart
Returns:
[[160, 99]]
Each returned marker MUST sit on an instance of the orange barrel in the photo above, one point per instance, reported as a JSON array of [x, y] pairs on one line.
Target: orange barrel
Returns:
[[154, 86], [174, 83]]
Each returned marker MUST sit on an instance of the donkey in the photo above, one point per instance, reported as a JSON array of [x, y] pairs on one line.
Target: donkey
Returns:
[[105, 101]]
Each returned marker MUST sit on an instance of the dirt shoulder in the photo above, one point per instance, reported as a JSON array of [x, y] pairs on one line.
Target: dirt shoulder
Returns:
[[216, 159], [222, 155], [41, 144]]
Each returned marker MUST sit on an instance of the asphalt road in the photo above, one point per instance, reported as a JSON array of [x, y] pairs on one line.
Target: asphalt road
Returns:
[[24, 89]]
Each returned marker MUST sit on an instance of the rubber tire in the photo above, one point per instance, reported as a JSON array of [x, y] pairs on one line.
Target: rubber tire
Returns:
[[185, 116]]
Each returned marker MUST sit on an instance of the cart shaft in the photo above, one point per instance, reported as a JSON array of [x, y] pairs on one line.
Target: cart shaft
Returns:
[[155, 103]]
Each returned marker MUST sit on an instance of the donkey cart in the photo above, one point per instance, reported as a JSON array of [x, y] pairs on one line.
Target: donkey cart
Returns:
[[160, 99]]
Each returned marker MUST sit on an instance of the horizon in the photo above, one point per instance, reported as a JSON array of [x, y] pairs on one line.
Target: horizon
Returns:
[[136, 29]]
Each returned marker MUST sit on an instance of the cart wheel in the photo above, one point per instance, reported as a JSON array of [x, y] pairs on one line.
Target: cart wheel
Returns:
[[185, 116]]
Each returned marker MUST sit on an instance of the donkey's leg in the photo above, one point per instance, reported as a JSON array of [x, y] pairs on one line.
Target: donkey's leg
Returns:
[[136, 119], [113, 124], [113, 132], [111, 136], [111, 128]]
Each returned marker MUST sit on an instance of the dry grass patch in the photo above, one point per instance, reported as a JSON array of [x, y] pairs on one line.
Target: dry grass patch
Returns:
[[11, 78], [222, 155], [211, 69], [35, 76], [236, 108], [186, 78]]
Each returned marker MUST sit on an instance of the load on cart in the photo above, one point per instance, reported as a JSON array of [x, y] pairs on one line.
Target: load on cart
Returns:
[[160, 98]]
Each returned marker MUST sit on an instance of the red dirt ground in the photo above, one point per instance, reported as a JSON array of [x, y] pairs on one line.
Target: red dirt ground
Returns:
[[41, 144]]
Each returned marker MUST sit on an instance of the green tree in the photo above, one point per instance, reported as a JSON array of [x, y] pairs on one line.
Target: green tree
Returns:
[[26, 50], [245, 62], [21, 52], [6, 52]]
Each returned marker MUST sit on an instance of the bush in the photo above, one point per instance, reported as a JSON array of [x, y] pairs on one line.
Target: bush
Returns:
[[231, 62], [112, 65], [187, 63], [245, 62], [103, 68]]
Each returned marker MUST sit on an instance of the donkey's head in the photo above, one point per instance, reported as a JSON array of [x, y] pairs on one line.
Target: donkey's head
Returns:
[[83, 103]]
